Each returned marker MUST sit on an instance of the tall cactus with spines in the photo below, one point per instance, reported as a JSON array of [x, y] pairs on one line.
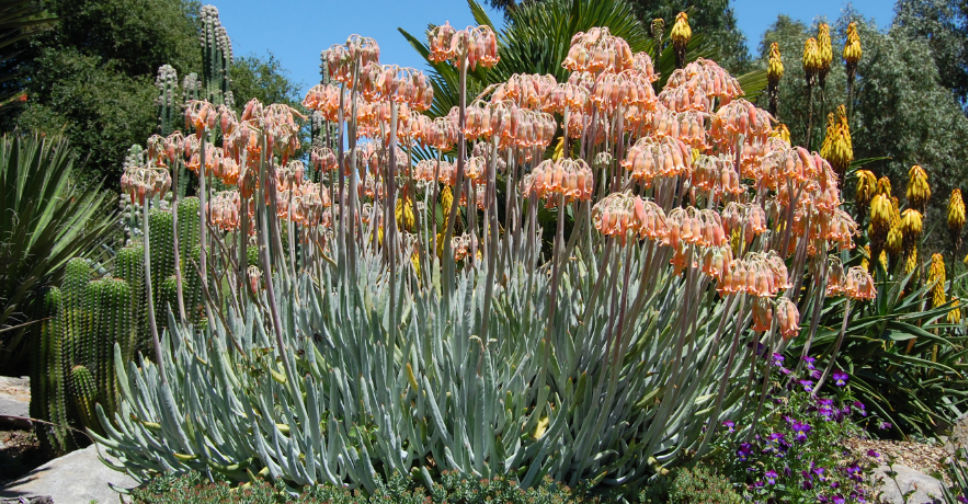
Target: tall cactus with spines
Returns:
[[169, 103], [76, 310], [129, 266], [188, 236], [48, 381], [162, 256], [115, 322], [84, 393], [216, 56]]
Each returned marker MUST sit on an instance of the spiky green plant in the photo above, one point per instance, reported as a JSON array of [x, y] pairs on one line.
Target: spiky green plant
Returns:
[[45, 220]]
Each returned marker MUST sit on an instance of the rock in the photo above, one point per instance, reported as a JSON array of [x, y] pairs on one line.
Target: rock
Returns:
[[14, 401], [958, 438], [924, 488], [76, 478]]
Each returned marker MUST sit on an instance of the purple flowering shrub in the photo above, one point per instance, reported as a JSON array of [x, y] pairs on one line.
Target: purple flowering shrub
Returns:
[[794, 451]]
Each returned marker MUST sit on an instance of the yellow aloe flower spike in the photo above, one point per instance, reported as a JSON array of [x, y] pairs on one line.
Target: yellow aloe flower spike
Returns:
[[911, 261], [852, 49], [866, 187], [681, 31], [826, 51], [782, 132], [956, 212], [406, 219], [774, 70], [954, 316], [884, 186], [918, 190], [936, 279], [811, 58]]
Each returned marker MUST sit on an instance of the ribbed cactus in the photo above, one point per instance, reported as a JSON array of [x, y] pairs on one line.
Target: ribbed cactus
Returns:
[[216, 57], [47, 382], [129, 266], [74, 352], [169, 103], [84, 392], [162, 258]]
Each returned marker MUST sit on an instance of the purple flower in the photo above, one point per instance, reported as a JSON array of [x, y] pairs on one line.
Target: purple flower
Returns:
[[839, 500], [872, 453], [730, 426], [884, 426], [744, 451], [807, 385], [840, 378], [859, 406], [777, 359], [963, 499], [800, 431], [770, 476], [809, 360]]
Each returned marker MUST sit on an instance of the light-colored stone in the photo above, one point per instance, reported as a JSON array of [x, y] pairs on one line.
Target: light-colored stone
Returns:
[[924, 489], [76, 478], [958, 438], [14, 401]]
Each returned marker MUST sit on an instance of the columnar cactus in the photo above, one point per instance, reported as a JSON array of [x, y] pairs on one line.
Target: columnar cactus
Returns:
[[216, 57], [169, 103]]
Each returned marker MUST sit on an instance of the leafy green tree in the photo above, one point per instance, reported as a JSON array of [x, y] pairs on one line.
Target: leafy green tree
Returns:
[[262, 78], [943, 25], [99, 108], [19, 19], [92, 78]]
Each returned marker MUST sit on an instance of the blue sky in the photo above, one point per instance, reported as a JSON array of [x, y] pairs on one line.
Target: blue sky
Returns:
[[295, 31]]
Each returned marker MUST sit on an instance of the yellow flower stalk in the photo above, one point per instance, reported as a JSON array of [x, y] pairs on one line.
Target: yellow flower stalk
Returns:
[[681, 31], [774, 70], [446, 201], [828, 138], [911, 261], [415, 262], [681, 35], [912, 225], [954, 316], [559, 149], [782, 132], [884, 186], [882, 258], [838, 149], [852, 49], [936, 279], [811, 58], [826, 50], [406, 219], [956, 212], [881, 213], [865, 258], [866, 187], [918, 190]]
